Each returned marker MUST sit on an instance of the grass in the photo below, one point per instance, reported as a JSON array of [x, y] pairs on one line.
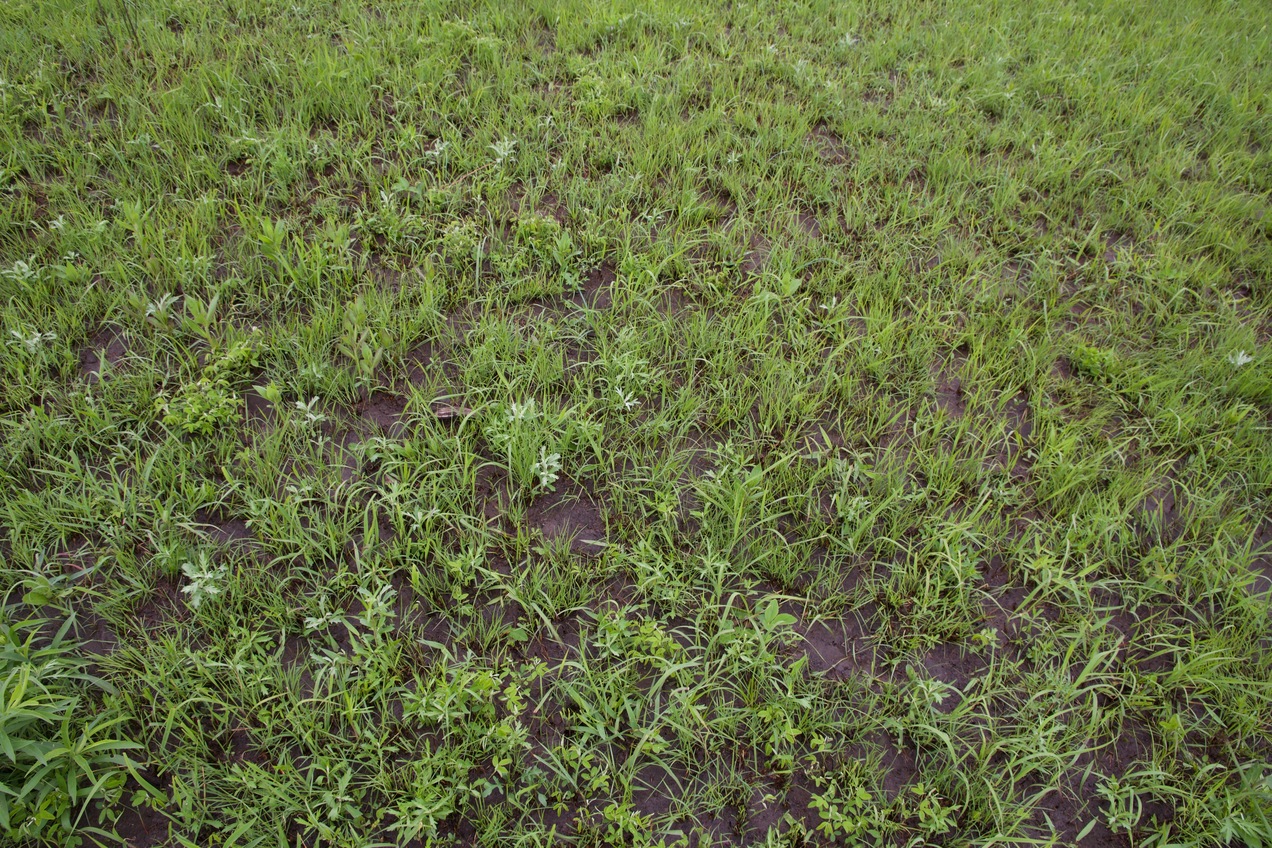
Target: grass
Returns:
[[635, 423]]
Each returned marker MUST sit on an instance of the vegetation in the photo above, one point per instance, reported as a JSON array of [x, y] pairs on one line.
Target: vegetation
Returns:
[[635, 423]]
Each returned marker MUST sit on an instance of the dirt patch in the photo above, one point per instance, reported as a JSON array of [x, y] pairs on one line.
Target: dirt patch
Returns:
[[897, 763], [570, 512], [595, 293], [1160, 501], [838, 648], [807, 222], [1117, 243], [259, 412], [1017, 412], [674, 302], [952, 664], [1015, 273], [96, 635], [820, 437], [883, 92], [1014, 453], [429, 364], [1162, 509], [1069, 816], [228, 532], [757, 255], [551, 206], [104, 351], [829, 145], [721, 203], [385, 412], [598, 288], [162, 605], [140, 826], [948, 381], [928, 263]]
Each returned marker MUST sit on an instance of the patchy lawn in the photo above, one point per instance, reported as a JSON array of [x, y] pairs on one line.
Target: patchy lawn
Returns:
[[660, 423]]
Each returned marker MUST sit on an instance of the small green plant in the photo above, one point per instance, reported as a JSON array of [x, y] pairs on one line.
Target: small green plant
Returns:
[[432, 797], [201, 407], [643, 639], [212, 400], [848, 811], [528, 439], [204, 580], [362, 343], [60, 749], [1094, 362], [623, 825], [626, 376], [1122, 806], [936, 817]]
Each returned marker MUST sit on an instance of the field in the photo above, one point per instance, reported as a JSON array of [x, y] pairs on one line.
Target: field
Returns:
[[635, 423]]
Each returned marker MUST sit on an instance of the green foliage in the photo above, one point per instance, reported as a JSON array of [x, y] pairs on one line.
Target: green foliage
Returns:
[[657, 423], [211, 401], [60, 751], [1095, 363]]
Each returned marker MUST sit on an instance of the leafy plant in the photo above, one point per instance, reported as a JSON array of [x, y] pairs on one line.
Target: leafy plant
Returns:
[[60, 750], [211, 401], [204, 580], [529, 440]]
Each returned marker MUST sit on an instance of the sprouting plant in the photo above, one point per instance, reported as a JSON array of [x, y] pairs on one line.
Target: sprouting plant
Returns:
[[928, 692], [21, 271], [438, 149], [31, 340], [201, 317], [626, 374], [642, 638], [326, 617], [159, 311], [847, 809], [782, 733], [1094, 362], [431, 798], [193, 268], [505, 150], [625, 826], [1123, 808], [454, 694], [527, 437], [272, 238], [936, 817], [1238, 358], [461, 239], [135, 217], [212, 400], [308, 414], [362, 343], [986, 638], [377, 614], [205, 580], [201, 406], [625, 399], [60, 750], [546, 470]]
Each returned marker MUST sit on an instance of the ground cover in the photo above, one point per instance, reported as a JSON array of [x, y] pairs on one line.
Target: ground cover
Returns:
[[654, 423]]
